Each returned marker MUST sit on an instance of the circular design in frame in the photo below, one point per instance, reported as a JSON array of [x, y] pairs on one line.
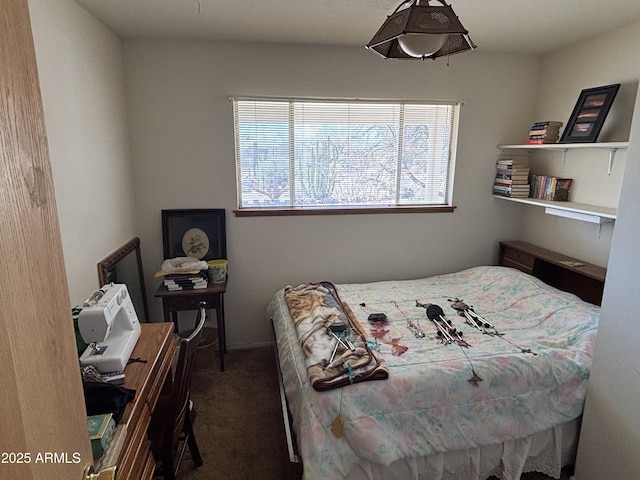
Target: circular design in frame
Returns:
[[195, 243]]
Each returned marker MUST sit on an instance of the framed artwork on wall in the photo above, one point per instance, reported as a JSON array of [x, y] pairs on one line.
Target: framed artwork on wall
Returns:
[[197, 233], [589, 114]]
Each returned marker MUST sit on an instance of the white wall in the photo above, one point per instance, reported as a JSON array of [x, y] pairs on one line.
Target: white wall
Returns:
[[610, 437], [79, 64], [606, 59], [181, 131]]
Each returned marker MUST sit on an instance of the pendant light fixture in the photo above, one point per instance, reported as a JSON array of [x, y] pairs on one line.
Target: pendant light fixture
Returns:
[[418, 30]]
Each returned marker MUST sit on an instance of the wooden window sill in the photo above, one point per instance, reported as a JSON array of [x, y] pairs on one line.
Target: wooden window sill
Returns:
[[277, 212]]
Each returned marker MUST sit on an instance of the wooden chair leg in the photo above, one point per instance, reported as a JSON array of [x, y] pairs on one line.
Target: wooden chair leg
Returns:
[[168, 468], [170, 463], [191, 442]]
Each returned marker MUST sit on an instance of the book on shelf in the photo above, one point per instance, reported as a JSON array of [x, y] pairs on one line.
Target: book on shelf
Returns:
[[511, 188], [551, 131], [513, 168], [509, 162], [545, 123], [511, 191], [544, 132], [518, 181], [512, 172], [512, 177], [546, 187], [509, 182]]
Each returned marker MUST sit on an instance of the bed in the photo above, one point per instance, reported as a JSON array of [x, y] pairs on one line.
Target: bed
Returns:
[[507, 402]]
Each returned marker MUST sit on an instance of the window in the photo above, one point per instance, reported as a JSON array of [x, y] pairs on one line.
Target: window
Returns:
[[322, 154]]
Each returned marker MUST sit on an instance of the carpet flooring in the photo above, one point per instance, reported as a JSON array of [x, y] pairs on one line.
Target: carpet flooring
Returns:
[[238, 423]]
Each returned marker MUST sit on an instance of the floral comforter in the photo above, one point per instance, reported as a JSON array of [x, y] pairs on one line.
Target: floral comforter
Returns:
[[442, 397]]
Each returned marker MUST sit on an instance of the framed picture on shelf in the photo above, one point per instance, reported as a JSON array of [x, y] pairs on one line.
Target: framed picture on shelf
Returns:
[[197, 233], [589, 114]]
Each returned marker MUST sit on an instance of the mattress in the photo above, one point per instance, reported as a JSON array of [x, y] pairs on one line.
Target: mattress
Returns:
[[441, 398]]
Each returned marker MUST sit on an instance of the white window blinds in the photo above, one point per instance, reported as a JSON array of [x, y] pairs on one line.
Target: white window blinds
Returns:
[[337, 154]]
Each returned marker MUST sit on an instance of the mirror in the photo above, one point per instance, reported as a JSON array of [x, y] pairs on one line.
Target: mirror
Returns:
[[125, 266]]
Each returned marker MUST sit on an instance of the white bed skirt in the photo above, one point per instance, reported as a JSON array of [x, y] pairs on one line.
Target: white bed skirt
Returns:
[[546, 452]]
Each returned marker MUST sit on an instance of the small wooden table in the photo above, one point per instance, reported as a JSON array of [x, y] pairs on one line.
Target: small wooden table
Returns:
[[174, 301]]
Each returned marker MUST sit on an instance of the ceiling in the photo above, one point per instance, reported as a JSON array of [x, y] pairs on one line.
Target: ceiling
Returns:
[[507, 26]]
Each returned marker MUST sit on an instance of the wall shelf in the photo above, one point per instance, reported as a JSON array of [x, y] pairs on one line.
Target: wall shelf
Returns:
[[611, 147], [576, 211]]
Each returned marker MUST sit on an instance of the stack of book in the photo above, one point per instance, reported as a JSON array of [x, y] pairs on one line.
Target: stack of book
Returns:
[[512, 178], [550, 188], [544, 132], [186, 281]]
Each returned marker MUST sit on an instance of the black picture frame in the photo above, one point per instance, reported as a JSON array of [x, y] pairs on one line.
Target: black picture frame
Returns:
[[198, 233], [589, 114]]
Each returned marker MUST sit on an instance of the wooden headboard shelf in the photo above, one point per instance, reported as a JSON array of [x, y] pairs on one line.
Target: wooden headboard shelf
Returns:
[[565, 273]]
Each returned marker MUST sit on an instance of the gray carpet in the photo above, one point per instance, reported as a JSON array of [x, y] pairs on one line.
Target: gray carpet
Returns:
[[238, 424]]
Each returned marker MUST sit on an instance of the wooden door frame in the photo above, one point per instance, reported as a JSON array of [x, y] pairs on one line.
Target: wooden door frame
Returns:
[[43, 420]]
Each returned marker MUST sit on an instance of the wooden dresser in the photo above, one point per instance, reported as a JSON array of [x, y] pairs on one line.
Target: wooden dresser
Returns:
[[157, 347], [560, 271]]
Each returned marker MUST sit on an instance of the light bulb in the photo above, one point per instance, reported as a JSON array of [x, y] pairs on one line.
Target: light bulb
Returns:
[[420, 45]]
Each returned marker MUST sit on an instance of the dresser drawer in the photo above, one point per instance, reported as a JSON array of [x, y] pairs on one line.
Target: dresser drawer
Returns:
[[134, 457], [515, 258], [149, 468]]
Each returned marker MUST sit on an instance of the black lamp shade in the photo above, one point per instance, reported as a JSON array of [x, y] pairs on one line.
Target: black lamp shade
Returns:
[[421, 19]]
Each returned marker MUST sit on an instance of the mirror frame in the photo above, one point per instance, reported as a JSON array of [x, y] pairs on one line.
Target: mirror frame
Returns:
[[105, 264]]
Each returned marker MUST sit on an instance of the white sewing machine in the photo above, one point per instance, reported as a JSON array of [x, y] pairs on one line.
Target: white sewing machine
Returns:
[[109, 324]]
